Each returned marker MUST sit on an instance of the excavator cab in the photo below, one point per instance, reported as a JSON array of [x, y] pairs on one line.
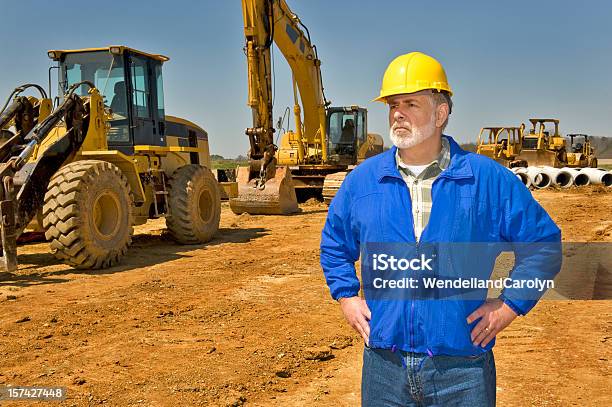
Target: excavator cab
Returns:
[[131, 85], [347, 131]]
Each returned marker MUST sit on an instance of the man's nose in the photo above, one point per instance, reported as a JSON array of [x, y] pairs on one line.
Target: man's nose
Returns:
[[398, 115]]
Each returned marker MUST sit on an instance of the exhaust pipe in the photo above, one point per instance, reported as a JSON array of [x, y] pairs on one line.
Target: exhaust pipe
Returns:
[[521, 173], [538, 178], [558, 176], [598, 176], [580, 178]]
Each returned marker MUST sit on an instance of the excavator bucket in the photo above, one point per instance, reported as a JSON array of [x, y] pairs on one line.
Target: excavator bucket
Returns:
[[277, 197]]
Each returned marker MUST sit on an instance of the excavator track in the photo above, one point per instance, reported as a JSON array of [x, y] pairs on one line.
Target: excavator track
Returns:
[[332, 184]]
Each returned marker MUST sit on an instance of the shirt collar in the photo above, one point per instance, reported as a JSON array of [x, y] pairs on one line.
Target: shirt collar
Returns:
[[458, 168], [442, 160]]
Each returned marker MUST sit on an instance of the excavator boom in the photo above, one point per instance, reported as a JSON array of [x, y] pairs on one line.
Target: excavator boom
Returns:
[[264, 188], [326, 140]]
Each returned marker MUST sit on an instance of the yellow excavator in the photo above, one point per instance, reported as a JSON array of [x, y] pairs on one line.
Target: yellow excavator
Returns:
[[327, 141], [105, 159], [502, 144]]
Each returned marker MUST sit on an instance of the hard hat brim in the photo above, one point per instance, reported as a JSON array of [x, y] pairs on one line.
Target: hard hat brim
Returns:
[[384, 95]]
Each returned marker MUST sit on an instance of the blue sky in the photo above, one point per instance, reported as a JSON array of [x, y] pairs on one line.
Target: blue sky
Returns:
[[506, 61]]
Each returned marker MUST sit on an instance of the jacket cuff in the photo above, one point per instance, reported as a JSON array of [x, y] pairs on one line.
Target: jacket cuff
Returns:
[[344, 294], [513, 306]]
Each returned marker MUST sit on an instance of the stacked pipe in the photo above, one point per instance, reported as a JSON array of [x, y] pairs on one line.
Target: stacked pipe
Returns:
[[559, 177], [543, 176], [598, 176], [532, 177], [521, 173], [580, 179]]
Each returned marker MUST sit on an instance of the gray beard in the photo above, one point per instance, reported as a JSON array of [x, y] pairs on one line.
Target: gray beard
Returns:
[[417, 135]]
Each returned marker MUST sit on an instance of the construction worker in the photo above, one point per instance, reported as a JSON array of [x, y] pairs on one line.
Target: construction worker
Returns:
[[427, 189]]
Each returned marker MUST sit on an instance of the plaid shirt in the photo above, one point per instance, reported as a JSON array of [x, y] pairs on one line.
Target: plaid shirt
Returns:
[[420, 186]]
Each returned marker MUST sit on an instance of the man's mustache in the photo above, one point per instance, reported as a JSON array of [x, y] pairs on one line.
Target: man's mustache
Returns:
[[404, 125]]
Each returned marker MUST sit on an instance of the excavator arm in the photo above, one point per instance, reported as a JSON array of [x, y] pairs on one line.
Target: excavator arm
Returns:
[[264, 188], [267, 22]]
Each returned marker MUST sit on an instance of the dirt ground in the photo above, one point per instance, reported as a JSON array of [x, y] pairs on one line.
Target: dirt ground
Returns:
[[247, 320]]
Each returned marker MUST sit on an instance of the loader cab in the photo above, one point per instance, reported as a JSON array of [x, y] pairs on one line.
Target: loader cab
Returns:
[[131, 84], [347, 131]]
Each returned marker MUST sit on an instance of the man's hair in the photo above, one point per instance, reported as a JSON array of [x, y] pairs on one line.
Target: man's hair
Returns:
[[439, 98]]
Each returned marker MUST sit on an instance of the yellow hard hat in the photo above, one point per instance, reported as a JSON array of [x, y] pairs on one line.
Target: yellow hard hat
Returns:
[[412, 73]]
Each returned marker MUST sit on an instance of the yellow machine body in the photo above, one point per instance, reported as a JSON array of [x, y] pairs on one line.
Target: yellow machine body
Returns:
[[581, 154], [317, 147], [105, 159], [502, 144], [544, 145]]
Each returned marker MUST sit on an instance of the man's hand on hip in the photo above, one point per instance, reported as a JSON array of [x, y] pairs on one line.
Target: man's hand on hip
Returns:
[[358, 315], [495, 317]]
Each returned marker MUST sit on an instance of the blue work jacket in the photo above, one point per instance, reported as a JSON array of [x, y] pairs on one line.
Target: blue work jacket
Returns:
[[474, 200]]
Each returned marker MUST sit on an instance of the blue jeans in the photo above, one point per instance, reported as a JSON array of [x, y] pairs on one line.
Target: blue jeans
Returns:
[[415, 379]]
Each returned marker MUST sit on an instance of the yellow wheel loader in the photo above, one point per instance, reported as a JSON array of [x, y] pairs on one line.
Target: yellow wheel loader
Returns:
[[106, 159], [502, 144], [327, 141], [540, 147]]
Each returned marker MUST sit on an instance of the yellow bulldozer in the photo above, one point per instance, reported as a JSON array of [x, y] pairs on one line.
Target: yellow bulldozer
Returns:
[[543, 145], [581, 154], [327, 141], [502, 144], [106, 158]]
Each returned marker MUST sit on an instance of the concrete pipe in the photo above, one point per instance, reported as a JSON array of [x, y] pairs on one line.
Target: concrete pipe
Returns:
[[521, 173], [580, 179], [538, 178], [559, 177], [598, 176]]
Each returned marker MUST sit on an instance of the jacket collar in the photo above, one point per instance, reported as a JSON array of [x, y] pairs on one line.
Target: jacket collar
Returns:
[[459, 167]]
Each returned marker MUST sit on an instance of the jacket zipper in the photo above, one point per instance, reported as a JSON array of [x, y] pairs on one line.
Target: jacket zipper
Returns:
[[417, 241], [411, 320]]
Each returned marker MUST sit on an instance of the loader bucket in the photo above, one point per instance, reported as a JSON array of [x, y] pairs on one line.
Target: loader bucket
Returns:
[[276, 198]]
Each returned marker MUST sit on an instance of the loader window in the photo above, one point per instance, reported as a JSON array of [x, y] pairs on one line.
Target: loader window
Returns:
[[108, 75], [140, 87], [101, 68], [160, 91]]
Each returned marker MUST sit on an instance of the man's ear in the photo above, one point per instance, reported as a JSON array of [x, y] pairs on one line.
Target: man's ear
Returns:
[[442, 113]]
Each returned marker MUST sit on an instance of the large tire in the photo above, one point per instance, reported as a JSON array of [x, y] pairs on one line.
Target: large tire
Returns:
[[87, 214], [194, 204]]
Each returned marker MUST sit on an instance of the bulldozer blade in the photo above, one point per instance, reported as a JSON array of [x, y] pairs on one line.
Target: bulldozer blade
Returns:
[[537, 158], [276, 198], [8, 236]]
